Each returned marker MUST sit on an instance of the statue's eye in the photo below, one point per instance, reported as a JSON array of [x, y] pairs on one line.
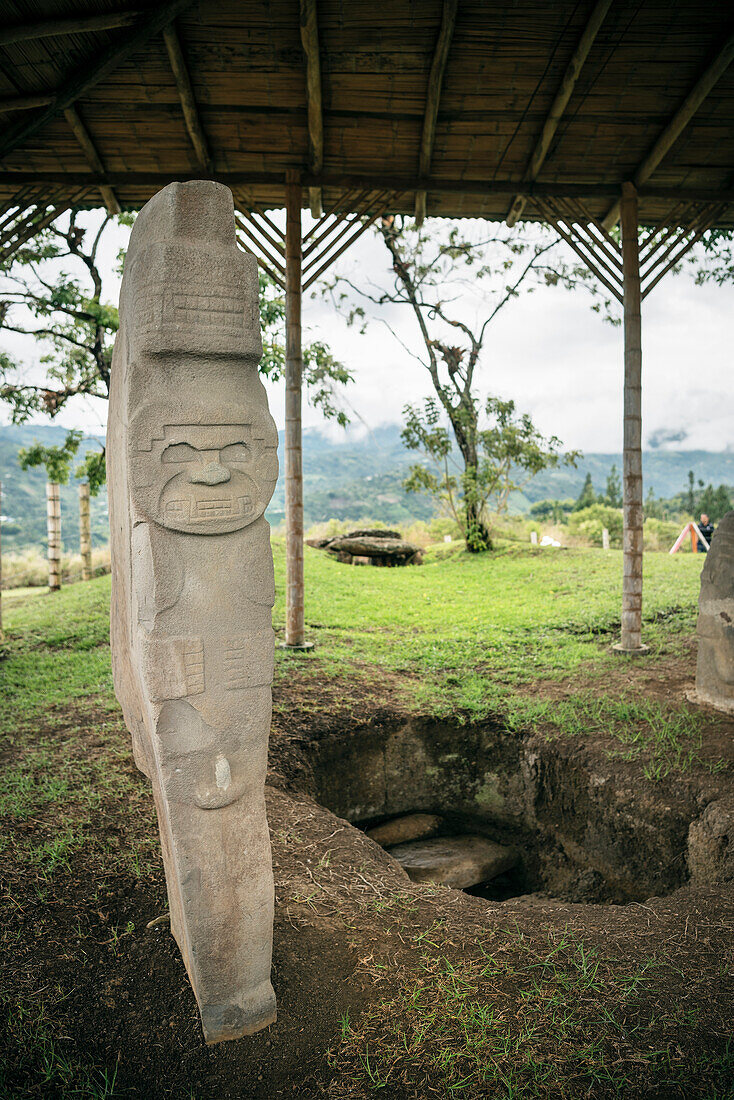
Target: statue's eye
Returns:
[[180, 452], [235, 452]]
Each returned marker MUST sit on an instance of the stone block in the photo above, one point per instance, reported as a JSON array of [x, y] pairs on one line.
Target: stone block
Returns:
[[403, 829], [459, 861]]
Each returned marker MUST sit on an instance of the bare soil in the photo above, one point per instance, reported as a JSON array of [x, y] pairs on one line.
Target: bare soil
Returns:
[[347, 923]]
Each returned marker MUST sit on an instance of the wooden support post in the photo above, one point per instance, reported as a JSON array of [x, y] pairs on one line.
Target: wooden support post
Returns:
[[631, 641], [53, 526], [294, 614], [85, 531], [1, 565]]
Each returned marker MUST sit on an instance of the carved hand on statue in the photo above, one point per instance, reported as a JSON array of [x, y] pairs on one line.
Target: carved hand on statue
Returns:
[[203, 766]]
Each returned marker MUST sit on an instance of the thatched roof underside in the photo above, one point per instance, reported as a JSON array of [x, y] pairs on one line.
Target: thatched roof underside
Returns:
[[505, 64]]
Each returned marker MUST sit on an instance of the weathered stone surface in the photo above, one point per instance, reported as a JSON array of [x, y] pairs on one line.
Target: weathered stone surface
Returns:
[[192, 465], [715, 666], [377, 551], [402, 829], [711, 844], [459, 861]]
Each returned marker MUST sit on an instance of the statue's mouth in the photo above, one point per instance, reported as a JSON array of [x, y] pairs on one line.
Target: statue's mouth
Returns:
[[199, 509]]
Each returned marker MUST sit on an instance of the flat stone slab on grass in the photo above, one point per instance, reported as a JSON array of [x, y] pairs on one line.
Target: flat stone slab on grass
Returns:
[[402, 829], [459, 861]]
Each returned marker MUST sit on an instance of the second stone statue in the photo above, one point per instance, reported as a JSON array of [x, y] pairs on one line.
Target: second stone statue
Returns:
[[192, 466]]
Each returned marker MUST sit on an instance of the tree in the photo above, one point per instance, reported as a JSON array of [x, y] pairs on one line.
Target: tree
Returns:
[[52, 288], [690, 495], [435, 270], [510, 451], [715, 503], [614, 489], [587, 496]]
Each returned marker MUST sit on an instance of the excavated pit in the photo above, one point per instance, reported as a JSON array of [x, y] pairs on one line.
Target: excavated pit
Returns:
[[582, 835]]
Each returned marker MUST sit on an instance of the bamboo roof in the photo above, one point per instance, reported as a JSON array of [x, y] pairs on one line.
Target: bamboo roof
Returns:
[[350, 109]]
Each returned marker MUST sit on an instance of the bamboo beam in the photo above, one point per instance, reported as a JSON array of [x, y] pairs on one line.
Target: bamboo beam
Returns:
[[188, 99], [363, 227], [678, 122], [294, 592], [399, 184], [586, 254], [433, 98], [90, 152], [560, 103], [676, 257], [52, 28], [310, 42], [30, 229], [100, 67], [631, 640], [24, 102]]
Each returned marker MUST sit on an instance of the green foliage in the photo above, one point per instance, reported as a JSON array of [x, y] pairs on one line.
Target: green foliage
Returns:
[[555, 510], [715, 503], [586, 497], [509, 452], [93, 470], [56, 459], [52, 289], [614, 489], [322, 372], [588, 523]]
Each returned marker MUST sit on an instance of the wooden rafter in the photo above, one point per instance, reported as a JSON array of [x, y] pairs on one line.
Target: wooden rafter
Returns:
[[433, 98], [99, 68], [601, 254], [560, 103], [28, 220], [93, 158], [188, 99], [24, 102], [671, 248], [343, 182], [678, 122], [310, 42], [344, 232], [336, 231], [53, 28]]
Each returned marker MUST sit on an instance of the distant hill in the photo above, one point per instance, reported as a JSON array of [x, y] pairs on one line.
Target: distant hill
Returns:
[[357, 476]]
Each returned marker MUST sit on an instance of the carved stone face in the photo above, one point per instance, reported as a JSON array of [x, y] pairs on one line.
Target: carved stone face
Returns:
[[201, 478]]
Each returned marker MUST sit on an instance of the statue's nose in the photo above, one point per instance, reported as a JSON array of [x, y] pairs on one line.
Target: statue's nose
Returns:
[[211, 474]]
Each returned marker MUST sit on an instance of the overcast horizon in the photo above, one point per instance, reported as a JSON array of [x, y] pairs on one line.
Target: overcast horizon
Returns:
[[547, 350]]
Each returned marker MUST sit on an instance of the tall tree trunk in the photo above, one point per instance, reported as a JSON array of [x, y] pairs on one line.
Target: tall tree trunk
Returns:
[[478, 537], [53, 520], [85, 531]]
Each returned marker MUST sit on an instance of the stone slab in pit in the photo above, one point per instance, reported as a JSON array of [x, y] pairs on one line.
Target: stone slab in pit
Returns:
[[458, 861]]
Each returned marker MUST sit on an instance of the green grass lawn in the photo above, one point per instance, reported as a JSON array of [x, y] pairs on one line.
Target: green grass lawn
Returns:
[[464, 633]]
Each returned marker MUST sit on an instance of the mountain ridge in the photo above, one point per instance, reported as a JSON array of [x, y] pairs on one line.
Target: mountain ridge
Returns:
[[357, 477]]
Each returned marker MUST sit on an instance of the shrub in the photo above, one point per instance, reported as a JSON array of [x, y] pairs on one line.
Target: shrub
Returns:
[[660, 534], [588, 524]]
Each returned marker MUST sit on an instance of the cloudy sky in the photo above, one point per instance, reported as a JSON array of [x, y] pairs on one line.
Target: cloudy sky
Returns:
[[548, 350]]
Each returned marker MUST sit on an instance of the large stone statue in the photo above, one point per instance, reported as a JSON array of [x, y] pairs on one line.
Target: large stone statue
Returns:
[[715, 668], [192, 466]]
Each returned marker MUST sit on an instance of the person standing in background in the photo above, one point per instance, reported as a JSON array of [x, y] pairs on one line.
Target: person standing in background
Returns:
[[706, 528]]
